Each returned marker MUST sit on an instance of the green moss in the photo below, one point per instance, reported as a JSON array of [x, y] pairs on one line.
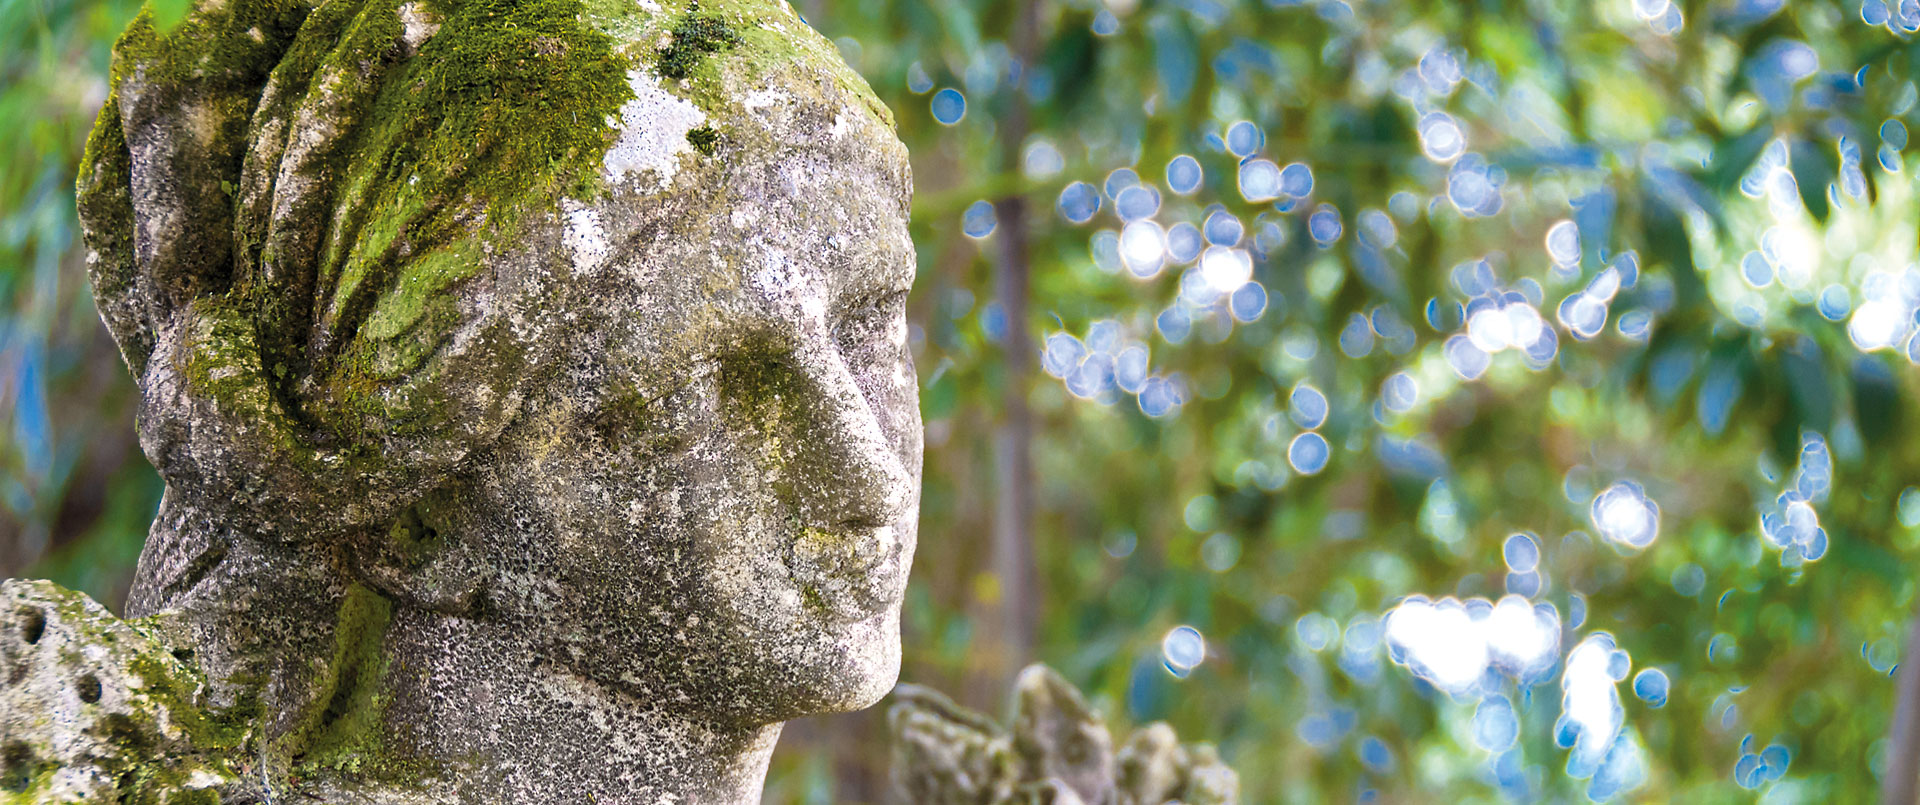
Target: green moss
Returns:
[[217, 46], [103, 190], [175, 689], [204, 796], [104, 165], [223, 362], [770, 43], [811, 534], [811, 598], [342, 728], [506, 104], [22, 776], [703, 139], [694, 36], [147, 762], [501, 113], [409, 319], [162, 784], [411, 539]]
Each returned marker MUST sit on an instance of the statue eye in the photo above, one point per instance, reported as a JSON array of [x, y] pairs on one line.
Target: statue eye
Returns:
[[873, 320], [871, 333]]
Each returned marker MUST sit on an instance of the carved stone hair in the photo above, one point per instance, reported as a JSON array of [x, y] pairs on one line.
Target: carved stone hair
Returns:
[[289, 212]]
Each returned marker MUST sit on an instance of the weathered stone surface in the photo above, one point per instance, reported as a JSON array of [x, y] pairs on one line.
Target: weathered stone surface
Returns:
[[530, 382], [1058, 751], [96, 709]]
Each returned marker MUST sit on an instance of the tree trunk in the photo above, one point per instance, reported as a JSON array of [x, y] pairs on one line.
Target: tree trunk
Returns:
[[1013, 556], [1902, 779]]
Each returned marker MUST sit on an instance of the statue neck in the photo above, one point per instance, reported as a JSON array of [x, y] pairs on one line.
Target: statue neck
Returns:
[[507, 724]]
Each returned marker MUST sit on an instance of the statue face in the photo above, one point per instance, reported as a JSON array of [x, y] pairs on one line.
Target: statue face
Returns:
[[730, 472]]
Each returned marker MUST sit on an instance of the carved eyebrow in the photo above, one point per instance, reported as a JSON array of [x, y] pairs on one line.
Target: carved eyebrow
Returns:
[[881, 288]]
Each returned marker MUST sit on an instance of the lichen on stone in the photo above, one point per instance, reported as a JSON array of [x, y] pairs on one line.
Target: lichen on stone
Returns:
[[653, 134]]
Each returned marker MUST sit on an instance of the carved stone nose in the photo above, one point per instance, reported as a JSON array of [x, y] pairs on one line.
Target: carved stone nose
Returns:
[[847, 472]]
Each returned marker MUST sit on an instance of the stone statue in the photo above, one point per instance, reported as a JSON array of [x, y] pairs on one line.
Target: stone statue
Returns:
[[531, 386], [1058, 753]]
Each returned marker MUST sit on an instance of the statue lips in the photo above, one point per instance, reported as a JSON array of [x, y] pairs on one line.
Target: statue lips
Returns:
[[852, 574]]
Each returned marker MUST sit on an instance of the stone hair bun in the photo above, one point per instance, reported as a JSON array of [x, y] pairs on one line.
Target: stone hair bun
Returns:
[[291, 212]]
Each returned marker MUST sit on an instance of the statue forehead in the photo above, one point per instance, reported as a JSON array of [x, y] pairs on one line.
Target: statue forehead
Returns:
[[700, 67], [756, 187], [768, 232]]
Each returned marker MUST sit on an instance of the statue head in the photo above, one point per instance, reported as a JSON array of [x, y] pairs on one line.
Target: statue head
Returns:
[[579, 324]]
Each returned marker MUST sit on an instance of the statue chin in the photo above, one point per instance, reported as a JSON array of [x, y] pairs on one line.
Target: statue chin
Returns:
[[853, 672], [817, 667], [873, 666]]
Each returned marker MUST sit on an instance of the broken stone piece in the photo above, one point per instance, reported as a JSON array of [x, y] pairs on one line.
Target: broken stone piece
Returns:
[[97, 709], [1059, 751]]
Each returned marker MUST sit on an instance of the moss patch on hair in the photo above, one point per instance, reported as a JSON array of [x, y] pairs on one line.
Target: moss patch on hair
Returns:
[[704, 139], [694, 36], [502, 113]]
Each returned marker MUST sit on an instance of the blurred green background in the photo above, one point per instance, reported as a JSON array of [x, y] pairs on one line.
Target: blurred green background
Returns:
[[1737, 164]]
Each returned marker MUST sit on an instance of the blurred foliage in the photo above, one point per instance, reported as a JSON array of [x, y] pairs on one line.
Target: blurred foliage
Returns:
[[75, 493], [1639, 131], [1660, 130]]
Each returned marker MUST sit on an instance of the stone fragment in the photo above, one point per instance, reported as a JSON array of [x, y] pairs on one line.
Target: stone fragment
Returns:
[[1058, 752], [94, 709]]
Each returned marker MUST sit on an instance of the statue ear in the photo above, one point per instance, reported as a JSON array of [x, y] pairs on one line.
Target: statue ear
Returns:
[[425, 559]]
